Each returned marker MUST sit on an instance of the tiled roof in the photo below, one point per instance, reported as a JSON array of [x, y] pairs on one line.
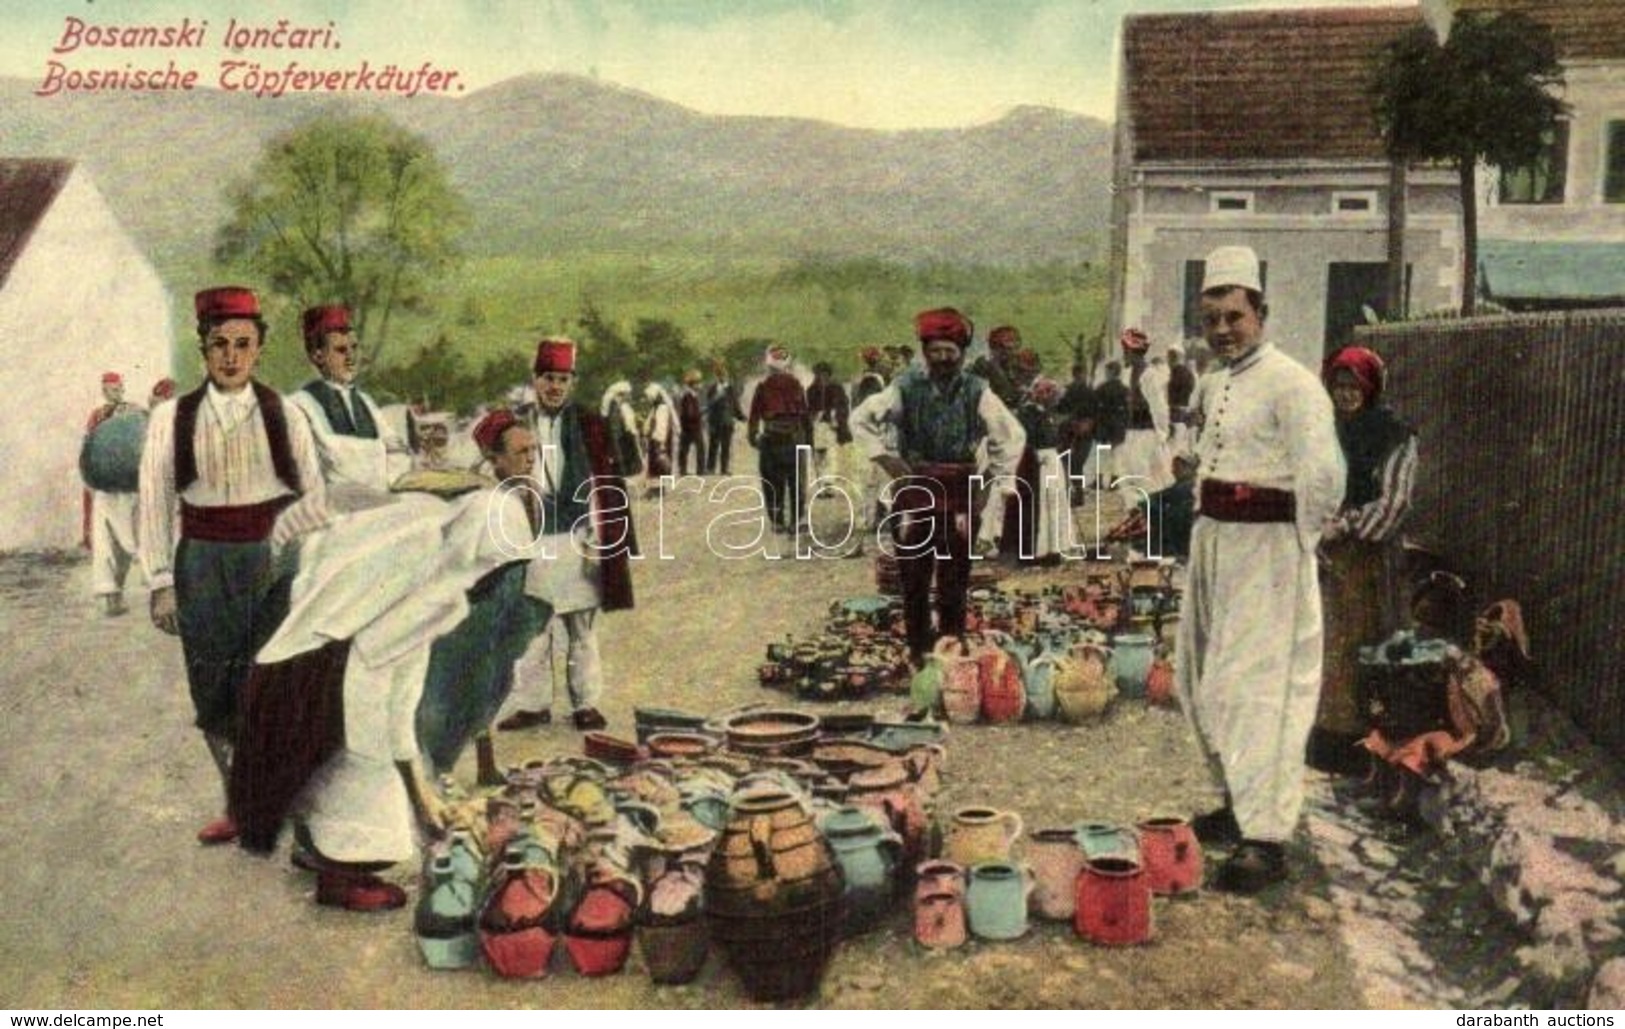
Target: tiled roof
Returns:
[[1257, 85], [1584, 29], [27, 188]]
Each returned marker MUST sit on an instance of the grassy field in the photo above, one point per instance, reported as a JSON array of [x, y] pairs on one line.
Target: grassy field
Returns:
[[494, 309]]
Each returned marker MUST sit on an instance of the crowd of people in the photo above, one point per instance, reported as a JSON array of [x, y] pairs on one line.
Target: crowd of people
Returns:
[[354, 609]]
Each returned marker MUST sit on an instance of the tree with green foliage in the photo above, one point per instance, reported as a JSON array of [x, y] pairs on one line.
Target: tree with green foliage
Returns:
[[354, 210], [1488, 93]]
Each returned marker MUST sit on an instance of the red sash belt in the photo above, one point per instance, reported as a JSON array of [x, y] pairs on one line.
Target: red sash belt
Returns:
[[1238, 502], [248, 523]]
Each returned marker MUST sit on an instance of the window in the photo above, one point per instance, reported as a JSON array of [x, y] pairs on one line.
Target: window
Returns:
[[1542, 181], [1231, 203], [1354, 204], [1613, 186]]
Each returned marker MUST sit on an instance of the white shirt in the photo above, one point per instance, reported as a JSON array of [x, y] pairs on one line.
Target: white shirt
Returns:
[[370, 463], [234, 469], [873, 421], [1269, 423]]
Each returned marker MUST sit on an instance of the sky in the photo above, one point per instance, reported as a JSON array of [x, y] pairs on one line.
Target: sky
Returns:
[[888, 64]]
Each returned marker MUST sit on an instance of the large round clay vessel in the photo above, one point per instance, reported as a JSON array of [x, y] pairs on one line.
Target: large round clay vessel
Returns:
[[773, 896]]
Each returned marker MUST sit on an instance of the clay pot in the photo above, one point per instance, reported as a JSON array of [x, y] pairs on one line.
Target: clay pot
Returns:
[[674, 953], [1131, 662], [1114, 903], [961, 681], [773, 896], [1171, 855], [1057, 859], [869, 855], [939, 905], [680, 744], [444, 923], [981, 835], [1003, 698], [996, 900], [889, 792], [1084, 687], [513, 921], [1103, 839], [781, 733]]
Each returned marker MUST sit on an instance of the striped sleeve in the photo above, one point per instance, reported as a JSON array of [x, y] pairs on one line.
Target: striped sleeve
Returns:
[[1381, 518], [156, 509]]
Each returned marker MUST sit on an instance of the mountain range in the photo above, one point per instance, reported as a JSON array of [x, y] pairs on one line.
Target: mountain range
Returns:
[[562, 165]]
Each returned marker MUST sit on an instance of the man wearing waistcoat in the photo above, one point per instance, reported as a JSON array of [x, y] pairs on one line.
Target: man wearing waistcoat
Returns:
[[356, 444], [580, 566], [940, 416], [1270, 475], [226, 476]]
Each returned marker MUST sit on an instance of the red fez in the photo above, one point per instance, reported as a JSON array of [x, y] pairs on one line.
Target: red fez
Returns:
[[488, 433], [227, 302], [1366, 367], [1004, 336], [1134, 339], [1027, 360], [318, 321], [112, 379], [942, 323], [555, 354], [163, 389], [870, 355]]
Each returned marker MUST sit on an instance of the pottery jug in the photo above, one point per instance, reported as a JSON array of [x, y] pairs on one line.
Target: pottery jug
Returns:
[[1003, 697], [773, 896], [445, 917], [869, 855], [1131, 662], [938, 876], [981, 835], [1103, 839], [996, 900], [939, 920], [1040, 677], [513, 921], [1171, 855], [1084, 687], [674, 952], [1159, 682], [1114, 902], [925, 688], [598, 937], [1057, 858], [888, 792], [961, 681]]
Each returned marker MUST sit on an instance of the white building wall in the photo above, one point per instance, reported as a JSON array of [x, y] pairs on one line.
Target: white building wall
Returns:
[[1596, 93], [80, 300]]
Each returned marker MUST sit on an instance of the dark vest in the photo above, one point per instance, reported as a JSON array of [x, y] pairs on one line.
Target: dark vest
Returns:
[[276, 434], [569, 501], [338, 416], [940, 426]]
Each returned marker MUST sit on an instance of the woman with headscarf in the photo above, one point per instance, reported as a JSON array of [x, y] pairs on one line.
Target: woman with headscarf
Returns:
[[616, 408], [1360, 582], [659, 434]]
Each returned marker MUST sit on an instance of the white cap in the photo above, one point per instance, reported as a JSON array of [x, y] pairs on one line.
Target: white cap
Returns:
[[1232, 266]]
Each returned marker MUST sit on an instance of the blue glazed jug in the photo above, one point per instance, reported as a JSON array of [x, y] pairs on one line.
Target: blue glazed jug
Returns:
[[996, 900], [868, 855], [1131, 662]]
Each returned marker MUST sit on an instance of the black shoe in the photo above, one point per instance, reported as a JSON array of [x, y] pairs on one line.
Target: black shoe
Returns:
[[588, 719], [526, 720], [1217, 826], [1254, 866]]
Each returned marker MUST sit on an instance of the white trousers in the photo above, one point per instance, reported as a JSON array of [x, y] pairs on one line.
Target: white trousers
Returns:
[[533, 673], [112, 540], [1249, 665]]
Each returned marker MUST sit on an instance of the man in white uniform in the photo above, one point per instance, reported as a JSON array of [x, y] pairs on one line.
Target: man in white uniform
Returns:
[[357, 445], [110, 514], [1270, 475]]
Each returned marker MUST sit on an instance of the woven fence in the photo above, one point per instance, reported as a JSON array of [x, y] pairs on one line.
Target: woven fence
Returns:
[[1521, 424]]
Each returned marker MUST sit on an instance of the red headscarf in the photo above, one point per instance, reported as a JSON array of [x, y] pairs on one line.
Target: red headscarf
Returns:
[[1366, 367], [943, 323]]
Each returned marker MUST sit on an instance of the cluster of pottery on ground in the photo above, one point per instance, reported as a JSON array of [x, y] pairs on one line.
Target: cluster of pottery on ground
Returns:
[[723, 834], [766, 836], [1064, 652]]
